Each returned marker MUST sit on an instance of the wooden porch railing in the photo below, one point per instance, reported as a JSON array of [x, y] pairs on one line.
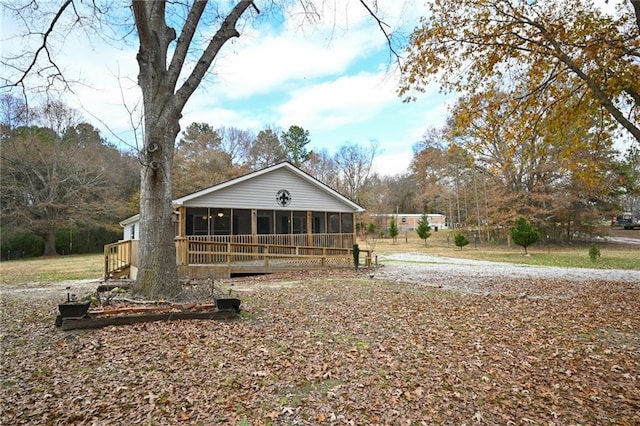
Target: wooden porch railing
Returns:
[[119, 257], [249, 250], [215, 253]]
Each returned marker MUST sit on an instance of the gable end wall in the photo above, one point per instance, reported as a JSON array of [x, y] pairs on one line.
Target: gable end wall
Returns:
[[260, 193]]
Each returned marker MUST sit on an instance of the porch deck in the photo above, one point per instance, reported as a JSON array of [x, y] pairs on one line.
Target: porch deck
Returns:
[[223, 256]]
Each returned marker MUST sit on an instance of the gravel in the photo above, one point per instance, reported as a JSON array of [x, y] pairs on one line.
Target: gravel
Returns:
[[482, 277]]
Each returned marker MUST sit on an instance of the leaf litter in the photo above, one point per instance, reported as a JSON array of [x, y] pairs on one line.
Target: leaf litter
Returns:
[[339, 348]]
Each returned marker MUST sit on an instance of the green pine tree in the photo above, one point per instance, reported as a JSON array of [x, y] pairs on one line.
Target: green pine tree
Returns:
[[460, 240], [524, 234], [393, 229], [423, 229]]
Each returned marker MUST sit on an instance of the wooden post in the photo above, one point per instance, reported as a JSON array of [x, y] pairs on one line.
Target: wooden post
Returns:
[[182, 251], [309, 230], [106, 262]]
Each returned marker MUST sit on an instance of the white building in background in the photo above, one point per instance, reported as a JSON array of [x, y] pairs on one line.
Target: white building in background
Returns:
[[409, 222]]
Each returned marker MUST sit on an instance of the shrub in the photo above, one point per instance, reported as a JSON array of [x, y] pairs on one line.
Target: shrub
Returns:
[[460, 240], [356, 255], [523, 234], [594, 252]]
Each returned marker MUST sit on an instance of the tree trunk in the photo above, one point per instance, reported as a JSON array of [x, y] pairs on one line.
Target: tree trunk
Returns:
[[157, 273], [50, 243]]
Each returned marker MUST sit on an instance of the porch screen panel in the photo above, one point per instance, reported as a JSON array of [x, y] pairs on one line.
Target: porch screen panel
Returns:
[[318, 223], [299, 222], [221, 221], [347, 223], [333, 221], [197, 221], [265, 222], [242, 222], [283, 222]]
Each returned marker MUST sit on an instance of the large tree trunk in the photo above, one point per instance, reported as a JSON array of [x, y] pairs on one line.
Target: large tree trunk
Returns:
[[157, 273], [50, 243]]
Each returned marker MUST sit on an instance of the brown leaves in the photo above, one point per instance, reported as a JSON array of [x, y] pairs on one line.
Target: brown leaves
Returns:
[[340, 350]]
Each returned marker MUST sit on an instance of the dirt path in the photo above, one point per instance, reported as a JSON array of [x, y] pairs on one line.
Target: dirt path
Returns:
[[51, 290]]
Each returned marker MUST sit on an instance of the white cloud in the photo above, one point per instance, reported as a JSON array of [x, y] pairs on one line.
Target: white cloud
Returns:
[[393, 163], [259, 63], [348, 99]]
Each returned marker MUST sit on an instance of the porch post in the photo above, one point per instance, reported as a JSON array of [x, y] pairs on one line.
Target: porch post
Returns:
[[254, 230], [309, 230], [182, 220], [254, 226]]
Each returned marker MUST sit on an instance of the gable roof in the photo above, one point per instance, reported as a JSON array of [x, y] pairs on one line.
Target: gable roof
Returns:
[[316, 184]]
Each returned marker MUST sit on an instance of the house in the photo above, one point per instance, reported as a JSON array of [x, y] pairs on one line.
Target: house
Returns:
[[409, 222], [277, 218]]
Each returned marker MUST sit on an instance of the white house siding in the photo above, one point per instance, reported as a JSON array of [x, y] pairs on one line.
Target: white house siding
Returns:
[[131, 228], [260, 193]]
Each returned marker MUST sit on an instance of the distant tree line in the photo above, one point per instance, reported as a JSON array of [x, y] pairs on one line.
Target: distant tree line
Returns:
[[58, 177]]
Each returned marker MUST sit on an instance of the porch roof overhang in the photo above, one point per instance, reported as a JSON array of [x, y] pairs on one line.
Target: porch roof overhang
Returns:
[[128, 221]]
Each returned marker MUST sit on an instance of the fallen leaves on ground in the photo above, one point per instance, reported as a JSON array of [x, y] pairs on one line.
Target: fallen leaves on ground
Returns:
[[339, 349]]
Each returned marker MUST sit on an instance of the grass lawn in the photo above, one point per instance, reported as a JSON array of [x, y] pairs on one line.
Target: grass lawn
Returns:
[[49, 269]]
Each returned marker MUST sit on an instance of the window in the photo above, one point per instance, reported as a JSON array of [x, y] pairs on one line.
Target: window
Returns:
[[241, 222], [347, 223], [221, 221], [197, 221], [133, 231], [333, 220]]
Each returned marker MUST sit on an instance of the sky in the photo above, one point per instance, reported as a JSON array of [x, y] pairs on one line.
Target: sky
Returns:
[[335, 78]]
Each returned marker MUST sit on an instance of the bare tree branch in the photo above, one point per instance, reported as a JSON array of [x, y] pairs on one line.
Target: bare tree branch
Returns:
[[44, 47], [383, 27], [225, 33]]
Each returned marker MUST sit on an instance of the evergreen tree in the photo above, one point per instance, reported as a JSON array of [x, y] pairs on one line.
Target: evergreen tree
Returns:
[[424, 229], [460, 240], [393, 229], [295, 142], [524, 234]]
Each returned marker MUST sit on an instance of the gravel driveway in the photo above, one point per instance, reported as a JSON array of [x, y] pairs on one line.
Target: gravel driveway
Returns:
[[482, 277]]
